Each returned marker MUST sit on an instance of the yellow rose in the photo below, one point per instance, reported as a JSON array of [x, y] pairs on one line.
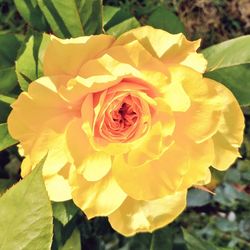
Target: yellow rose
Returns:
[[129, 124]]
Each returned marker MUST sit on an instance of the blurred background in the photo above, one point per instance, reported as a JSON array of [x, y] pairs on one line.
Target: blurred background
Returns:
[[220, 221]]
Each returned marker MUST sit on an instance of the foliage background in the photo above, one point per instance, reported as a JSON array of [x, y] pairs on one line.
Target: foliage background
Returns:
[[209, 222]]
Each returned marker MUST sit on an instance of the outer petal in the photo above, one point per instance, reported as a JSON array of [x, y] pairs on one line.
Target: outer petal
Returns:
[[57, 185], [201, 120], [171, 49], [201, 157], [91, 164], [230, 131], [65, 56], [153, 179], [58, 188], [32, 112], [99, 198], [145, 216]]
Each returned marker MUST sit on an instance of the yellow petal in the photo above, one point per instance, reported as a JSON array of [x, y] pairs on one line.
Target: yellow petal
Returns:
[[201, 120], [32, 112], [26, 166], [230, 133], [66, 56], [58, 188], [96, 198], [201, 157], [153, 179], [135, 216], [96, 166], [171, 49]]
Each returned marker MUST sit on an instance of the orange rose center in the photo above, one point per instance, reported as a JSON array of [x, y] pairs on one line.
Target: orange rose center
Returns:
[[122, 119]]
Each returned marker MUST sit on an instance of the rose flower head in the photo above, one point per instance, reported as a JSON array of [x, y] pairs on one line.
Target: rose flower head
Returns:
[[128, 125]]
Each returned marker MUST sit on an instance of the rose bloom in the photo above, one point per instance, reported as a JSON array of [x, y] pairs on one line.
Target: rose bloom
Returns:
[[128, 125]]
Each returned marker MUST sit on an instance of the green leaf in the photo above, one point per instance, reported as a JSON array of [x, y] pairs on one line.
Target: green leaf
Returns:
[[198, 198], [162, 239], [225, 225], [74, 242], [7, 61], [64, 211], [73, 18], [6, 99], [117, 21], [26, 214], [124, 26], [32, 14], [195, 243], [5, 184], [229, 53], [29, 63], [5, 139], [237, 79], [108, 13], [8, 56], [164, 19]]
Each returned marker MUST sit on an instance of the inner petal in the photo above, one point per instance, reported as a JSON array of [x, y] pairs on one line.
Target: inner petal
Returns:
[[123, 119]]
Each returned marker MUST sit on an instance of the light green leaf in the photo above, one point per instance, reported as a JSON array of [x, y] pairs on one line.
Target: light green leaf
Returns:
[[124, 26], [29, 63], [164, 19], [195, 243], [64, 211], [237, 79], [108, 13], [229, 53], [6, 99], [74, 242], [26, 215], [32, 14], [7, 61], [5, 139], [73, 18]]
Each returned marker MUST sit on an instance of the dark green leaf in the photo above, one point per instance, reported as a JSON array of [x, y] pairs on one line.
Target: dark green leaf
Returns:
[[195, 243], [162, 239], [9, 45], [74, 242], [64, 211], [26, 214], [108, 13], [198, 198], [8, 56], [5, 184], [32, 14], [225, 225], [164, 19], [29, 63], [118, 21], [73, 18], [237, 79], [124, 26], [5, 139]]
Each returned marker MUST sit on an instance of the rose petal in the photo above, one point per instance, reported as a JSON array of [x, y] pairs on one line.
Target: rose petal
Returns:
[[171, 49], [96, 198], [146, 216], [65, 56], [153, 179]]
